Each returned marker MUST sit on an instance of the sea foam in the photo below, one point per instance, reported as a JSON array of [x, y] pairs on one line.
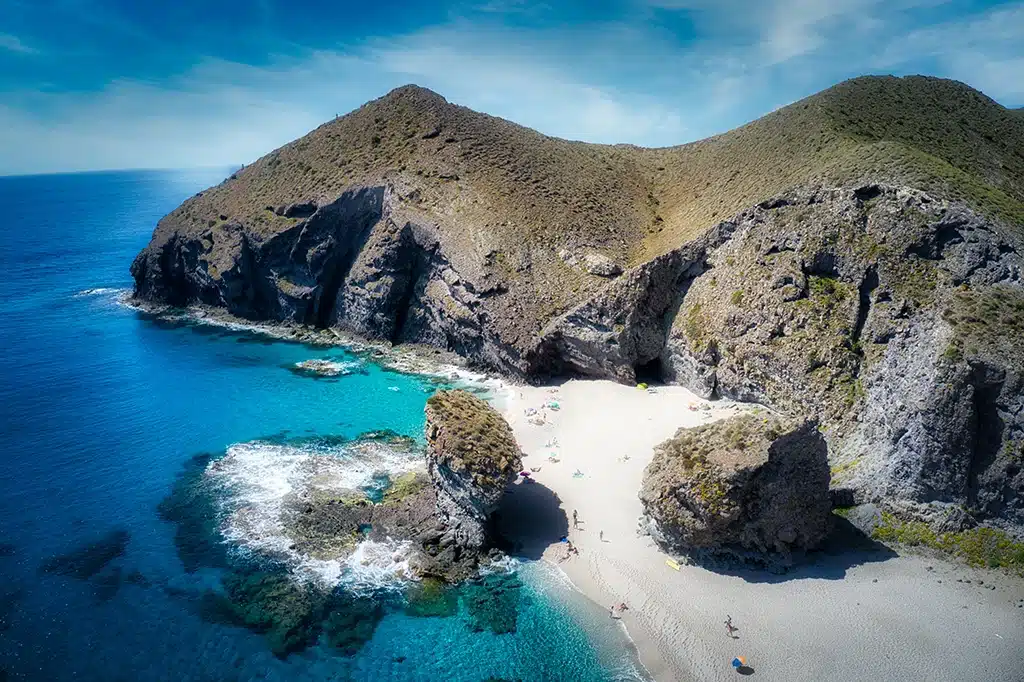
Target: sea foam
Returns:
[[257, 480]]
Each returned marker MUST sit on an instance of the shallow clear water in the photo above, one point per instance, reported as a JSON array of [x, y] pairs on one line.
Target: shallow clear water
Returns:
[[101, 411]]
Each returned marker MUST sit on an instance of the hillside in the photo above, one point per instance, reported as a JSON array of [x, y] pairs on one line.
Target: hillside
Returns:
[[794, 262], [937, 135], [633, 203], [507, 200]]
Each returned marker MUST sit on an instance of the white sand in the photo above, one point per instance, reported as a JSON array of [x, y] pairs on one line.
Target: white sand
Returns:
[[852, 615]]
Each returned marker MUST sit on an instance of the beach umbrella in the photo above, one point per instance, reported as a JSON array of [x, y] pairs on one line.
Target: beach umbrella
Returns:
[[738, 661]]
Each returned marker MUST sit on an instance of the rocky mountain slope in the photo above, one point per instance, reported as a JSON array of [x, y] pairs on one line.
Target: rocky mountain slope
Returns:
[[892, 313]]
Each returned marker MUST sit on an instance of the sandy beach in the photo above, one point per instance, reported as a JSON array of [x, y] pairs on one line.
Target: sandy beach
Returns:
[[852, 613]]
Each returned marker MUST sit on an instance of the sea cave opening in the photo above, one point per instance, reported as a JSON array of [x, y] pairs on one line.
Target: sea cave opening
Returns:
[[650, 372]]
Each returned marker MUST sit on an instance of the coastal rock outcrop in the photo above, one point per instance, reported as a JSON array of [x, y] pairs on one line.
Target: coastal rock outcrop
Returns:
[[892, 316], [472, 457], [440, 512], [753, 487]]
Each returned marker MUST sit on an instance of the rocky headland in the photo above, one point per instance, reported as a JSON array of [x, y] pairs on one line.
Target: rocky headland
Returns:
[[856, 257]]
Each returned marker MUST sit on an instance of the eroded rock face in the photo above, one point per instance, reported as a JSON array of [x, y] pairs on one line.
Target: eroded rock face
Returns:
[[753, 487], [883, 311], [894, 317], [358, 264], [472, 457]]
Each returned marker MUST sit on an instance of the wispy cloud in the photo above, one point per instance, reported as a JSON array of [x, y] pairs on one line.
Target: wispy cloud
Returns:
[[623, 78], [986, 51], [224, 112], [15, 44]]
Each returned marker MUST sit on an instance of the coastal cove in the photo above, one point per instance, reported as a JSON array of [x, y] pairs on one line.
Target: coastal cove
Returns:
[[854, 611], [106, 414]]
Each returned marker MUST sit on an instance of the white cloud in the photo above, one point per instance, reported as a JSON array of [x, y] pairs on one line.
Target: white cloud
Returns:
[[986, 51], [625, 82], [15, 44], [224, 112]]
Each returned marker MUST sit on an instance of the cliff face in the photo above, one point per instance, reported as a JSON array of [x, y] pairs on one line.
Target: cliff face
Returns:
[[891, 314], [894, 318], [472, 457], [355, 264]]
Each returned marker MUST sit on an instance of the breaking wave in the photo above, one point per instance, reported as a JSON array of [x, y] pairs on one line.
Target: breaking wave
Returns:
[[258, 481], [100, 291], [372, 567], [327, 368]]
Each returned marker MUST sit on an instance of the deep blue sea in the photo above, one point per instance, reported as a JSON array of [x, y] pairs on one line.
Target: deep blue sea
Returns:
[[143, 465]]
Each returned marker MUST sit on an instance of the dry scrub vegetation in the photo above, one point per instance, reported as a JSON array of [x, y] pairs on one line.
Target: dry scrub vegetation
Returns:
[[482, 179]]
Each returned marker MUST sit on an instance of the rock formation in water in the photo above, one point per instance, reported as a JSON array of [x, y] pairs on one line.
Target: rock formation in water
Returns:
[[753, 487], [444, 510], [472, 457], [892, 314]]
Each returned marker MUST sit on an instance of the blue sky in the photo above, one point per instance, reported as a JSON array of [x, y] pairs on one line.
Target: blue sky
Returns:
[[90, 84]]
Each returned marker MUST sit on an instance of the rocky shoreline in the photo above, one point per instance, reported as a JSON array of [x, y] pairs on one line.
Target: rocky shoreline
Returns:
[[431, 525], [893, 316]]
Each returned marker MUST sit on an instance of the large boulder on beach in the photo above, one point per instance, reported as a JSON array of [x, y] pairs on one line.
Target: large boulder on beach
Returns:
[[472, 457], [753, 487]]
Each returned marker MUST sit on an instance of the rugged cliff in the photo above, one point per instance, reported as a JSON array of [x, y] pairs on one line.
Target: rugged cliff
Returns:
[[472, 457], [890, 313], [893, 317], [754, 487]]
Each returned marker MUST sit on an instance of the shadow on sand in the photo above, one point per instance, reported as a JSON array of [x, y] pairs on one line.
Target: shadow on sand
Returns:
[[845, 547], [529, 519]]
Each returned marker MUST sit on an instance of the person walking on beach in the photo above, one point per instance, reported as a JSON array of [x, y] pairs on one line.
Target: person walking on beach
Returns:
[[575, 520], [600, 536], [729, 627]]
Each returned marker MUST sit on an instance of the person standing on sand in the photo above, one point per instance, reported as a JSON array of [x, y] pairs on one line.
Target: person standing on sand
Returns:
[[575, 520], [729, 628], [600, 536]]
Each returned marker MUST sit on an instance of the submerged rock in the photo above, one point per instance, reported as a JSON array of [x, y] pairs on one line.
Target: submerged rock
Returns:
[[289, 613], [472, 457], [431, 598], [192, 508], [493, 602], [753, 487], [91, 558], [351, 623], [326, 368]]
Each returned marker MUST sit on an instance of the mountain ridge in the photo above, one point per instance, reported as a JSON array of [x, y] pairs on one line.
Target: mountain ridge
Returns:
[[814, 260]]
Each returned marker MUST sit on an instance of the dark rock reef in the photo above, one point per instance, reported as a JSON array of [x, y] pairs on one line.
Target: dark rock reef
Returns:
[[90, 559], [753, 487], [438, 521]]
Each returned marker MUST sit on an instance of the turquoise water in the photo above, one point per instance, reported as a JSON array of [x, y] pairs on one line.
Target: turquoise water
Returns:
[[105, 413]]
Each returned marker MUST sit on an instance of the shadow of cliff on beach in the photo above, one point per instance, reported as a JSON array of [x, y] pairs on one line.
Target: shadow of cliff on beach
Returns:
[[529, 519], [845, 547]]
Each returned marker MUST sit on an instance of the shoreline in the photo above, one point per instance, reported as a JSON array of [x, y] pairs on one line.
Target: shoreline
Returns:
[[797, 623], [858, 612], [416, 359]]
